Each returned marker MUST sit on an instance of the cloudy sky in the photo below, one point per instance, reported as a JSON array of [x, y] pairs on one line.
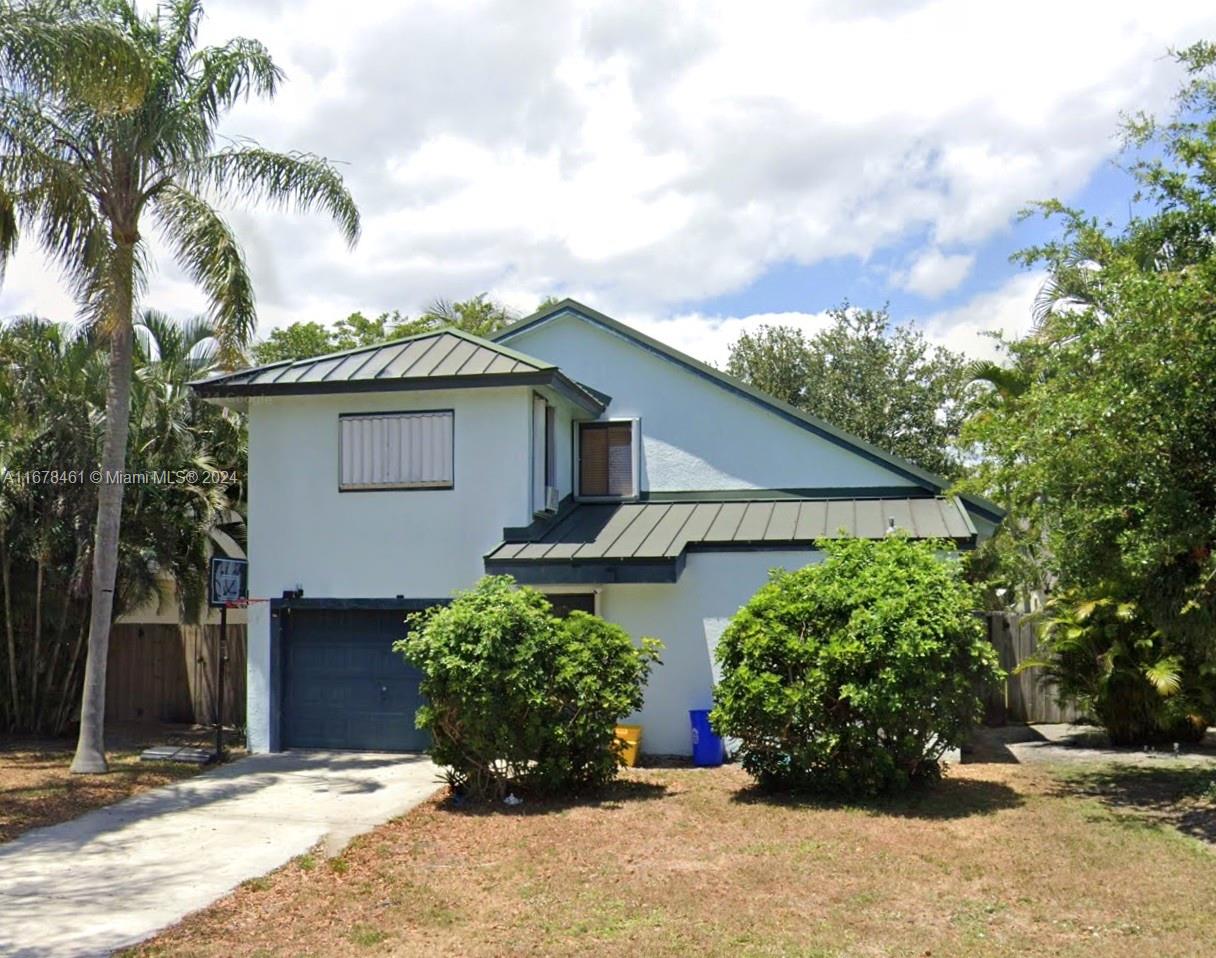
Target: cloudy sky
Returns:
[[694, 169]]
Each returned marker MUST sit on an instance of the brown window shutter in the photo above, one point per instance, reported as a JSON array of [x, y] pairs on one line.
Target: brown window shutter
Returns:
[[606, 459]]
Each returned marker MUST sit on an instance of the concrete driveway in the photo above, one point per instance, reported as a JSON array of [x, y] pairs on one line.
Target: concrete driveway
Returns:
[[115, 876]]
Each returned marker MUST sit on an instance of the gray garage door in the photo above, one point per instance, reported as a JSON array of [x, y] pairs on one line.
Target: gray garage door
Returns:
[[344, 686]]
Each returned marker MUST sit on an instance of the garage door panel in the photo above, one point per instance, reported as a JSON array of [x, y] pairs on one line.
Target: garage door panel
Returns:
[[344, 686]]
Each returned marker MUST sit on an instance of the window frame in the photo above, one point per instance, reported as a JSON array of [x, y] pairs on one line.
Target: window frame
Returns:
[[398, 487], [548, 468], [635, 450]]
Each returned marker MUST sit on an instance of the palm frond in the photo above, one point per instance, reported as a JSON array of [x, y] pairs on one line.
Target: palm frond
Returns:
[[56, 48], [225, 74], [302, 181], [208, 250], [1166, 675]]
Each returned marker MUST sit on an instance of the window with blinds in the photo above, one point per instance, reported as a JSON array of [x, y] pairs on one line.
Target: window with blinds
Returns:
[[605, 459], [396, 450]]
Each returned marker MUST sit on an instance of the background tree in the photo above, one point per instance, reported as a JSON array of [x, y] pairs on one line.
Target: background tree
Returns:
[[83, 175], [301, 340], [297, 341], [880, 382], [52, 402], [1105, 459]]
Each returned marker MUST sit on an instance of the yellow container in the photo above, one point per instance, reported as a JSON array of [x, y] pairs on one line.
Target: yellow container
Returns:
[[630, 737]]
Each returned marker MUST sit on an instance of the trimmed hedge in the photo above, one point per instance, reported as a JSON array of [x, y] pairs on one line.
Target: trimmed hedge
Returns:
[[853, 676]]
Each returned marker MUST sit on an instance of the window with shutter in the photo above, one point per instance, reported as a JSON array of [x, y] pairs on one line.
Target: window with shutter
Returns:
[[411, 450], [605, 455]]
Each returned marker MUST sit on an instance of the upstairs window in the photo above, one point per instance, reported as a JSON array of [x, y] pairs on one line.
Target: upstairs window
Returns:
[[544, 453], [607, 460], [398, 450]]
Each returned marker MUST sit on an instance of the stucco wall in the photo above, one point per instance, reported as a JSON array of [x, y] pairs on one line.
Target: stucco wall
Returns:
[[416, 543], [695, 434], [689, 616]]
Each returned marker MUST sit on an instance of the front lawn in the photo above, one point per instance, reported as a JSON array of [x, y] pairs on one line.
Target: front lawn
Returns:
[[997, 860], [37, 789]]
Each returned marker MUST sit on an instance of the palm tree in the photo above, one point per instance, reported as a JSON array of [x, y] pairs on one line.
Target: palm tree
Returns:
[[93, 146]]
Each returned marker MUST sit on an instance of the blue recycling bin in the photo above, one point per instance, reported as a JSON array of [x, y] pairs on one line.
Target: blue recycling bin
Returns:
[[708, 749]]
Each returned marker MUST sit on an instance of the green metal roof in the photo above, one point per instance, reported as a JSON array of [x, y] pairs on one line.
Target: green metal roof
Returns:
[[900, 466], [448, 358], [657, 535]]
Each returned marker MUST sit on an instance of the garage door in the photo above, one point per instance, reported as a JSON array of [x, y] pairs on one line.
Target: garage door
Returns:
[[344, 686]]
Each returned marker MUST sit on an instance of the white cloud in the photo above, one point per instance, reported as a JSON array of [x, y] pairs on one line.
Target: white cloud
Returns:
[[934, 273], [709, 338], [1006, 309], [650, 156]]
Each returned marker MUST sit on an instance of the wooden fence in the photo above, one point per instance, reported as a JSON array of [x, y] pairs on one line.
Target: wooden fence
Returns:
[[166, 673], [1026, 697]]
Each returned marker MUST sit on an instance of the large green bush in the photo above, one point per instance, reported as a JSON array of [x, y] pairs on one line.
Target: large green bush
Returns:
[[853, 676], [518, 698]]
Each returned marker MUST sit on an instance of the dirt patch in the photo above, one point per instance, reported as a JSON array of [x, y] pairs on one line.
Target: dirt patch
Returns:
[[996, 860], [36, 788]]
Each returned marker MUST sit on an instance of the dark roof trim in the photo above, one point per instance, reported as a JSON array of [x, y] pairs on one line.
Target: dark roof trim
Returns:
[[601, 572], [398, 604], [768, 495], [791, 414], [551, 378]]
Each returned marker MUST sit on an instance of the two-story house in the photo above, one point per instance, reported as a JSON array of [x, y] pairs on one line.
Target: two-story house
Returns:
[[572, 452]]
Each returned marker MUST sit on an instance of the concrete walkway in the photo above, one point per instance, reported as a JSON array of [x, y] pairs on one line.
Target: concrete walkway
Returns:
[[115, 876]]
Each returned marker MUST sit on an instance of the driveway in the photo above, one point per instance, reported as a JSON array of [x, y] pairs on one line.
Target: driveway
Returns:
[[112, 877]]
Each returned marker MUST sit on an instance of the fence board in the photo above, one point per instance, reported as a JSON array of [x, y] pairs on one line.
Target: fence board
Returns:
[[1027, 697], [166, 673]]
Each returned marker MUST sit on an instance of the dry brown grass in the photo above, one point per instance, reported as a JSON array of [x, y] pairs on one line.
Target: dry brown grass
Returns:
[[37, 789], [998, 860]]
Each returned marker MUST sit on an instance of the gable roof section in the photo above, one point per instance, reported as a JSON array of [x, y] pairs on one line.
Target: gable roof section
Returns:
[[446, 359], [804, 420], [648, 541]]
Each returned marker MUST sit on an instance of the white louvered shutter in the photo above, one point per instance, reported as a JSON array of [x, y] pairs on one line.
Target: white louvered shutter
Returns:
[[396, 450]]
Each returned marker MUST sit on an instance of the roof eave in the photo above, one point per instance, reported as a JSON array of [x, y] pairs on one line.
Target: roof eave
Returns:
[[213, 390]]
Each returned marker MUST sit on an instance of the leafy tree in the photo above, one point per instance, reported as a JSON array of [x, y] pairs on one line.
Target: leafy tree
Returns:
[[519, 698], [853, 676], [302, 340], [880, 382], [84, 174], [358, 330], [1105, 458], [480, 316], [297, 341]]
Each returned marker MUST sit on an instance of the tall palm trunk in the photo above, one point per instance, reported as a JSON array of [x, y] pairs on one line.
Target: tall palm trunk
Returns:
[[15, 703], [90, 748]]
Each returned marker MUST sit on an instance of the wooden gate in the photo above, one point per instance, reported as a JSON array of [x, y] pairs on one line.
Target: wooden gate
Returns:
[[1027, 697]]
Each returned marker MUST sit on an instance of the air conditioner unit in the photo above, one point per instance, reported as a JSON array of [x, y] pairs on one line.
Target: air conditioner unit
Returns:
[[550, 499]]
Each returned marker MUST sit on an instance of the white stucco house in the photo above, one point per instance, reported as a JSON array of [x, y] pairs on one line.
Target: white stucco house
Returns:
[[572, 452]]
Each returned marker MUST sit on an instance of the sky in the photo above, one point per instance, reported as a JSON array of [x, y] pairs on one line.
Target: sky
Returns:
[[692, 169]]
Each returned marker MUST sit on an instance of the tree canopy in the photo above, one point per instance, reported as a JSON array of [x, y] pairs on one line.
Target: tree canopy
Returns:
[[479, 315], [879, 381], [1103, 452]]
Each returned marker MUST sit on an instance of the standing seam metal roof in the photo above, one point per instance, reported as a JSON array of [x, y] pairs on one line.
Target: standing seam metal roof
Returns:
[[664, 530], [445, 358]]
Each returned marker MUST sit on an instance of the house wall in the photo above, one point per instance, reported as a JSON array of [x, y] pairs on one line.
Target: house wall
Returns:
[[695, 434], [419, 543], [689, 616]]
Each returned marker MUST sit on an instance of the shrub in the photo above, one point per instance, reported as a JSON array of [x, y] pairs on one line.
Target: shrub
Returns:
[[1104, 655], [853, 676], [517, 698]]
